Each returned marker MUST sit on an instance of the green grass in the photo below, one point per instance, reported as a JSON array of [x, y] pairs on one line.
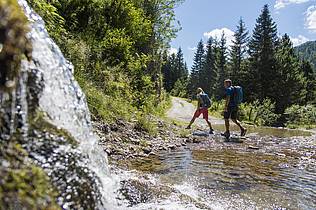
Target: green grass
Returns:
[[104, 107]]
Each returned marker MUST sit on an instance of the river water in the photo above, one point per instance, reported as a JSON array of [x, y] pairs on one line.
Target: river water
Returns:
[[263, 172]]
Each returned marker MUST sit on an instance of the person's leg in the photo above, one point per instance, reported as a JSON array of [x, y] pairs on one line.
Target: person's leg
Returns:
[[226, 117], [234, 116], [191, 122], [238, 124], [205, 116], [227, 125], [196, 115]]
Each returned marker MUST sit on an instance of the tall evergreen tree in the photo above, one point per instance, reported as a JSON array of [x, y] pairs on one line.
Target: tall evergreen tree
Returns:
[[220, 64], [291, 82], [180, 68], [238, 52], [310, 76], [174, 69], [198, 64], [208, 74], [261, 81]]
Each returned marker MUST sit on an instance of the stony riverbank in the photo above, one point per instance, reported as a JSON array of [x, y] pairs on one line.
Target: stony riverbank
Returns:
[[125, 140]]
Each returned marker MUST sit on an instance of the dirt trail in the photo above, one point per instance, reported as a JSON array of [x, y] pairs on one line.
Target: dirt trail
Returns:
[[183, 111]]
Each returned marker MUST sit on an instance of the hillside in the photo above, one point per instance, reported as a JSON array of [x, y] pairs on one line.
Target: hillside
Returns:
[[307, 51]]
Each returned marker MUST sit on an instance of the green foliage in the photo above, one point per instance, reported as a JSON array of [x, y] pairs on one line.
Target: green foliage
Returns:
[[259, 113], [262, 49], [217, 108], [208, 74], [307, 51], [115, 46], [301, 116], [105, 107], [238, 52], [180, 88], [198, 63], [291, 87], [174, 69]]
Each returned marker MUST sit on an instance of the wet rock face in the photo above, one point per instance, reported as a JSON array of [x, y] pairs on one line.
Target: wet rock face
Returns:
[[45, 112]]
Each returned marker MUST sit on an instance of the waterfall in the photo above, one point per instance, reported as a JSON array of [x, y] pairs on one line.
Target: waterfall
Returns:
[[46, 85]]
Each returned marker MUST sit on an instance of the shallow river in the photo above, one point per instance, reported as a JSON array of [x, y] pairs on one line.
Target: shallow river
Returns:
[[263, 172]]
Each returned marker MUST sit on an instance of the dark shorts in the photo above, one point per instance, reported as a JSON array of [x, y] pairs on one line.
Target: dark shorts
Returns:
[[200, 111], [231, 113]]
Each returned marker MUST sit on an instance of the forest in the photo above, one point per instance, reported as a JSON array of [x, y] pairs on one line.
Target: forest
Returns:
[[278, 84]]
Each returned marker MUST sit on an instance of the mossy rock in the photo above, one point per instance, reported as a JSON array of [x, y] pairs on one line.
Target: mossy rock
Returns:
[[14, 45], [22, 184]]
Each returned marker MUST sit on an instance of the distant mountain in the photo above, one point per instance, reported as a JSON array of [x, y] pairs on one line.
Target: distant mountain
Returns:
[[307, 51]]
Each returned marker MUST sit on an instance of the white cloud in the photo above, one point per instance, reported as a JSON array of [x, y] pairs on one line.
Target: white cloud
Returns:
[[310, 18], [172, 51], [217, 34], [279, 4], [192, 48], [300, 39]]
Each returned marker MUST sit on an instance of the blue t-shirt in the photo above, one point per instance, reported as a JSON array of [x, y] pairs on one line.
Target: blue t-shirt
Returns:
[[230, 92]]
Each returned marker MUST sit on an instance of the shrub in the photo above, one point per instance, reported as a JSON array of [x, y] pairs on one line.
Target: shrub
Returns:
[[301, 115]]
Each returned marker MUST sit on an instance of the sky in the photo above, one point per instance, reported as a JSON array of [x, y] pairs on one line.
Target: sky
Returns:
[[201, 19]]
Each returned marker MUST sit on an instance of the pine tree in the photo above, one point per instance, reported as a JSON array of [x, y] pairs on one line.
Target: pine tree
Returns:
[[208, 74], [220, 64], [238, 52], [180, 68], [198, 64], [310, 76], [291, 82], [261, 81], [166, 71]]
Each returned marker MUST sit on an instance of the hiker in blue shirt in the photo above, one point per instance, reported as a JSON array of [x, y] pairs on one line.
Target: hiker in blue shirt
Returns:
[[231, 109]]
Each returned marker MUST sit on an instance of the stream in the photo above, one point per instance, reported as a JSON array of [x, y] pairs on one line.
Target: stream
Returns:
[[263, 172]]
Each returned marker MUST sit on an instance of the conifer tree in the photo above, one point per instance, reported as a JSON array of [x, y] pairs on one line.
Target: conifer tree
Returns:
[[208, 74], [261, 81], [291, 81], [238, 52], [220, 64], [198, 64], [310, 76]]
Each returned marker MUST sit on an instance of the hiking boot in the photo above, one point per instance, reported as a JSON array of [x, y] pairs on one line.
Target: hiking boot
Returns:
[[226, 134], [211, 131], [243, 132]]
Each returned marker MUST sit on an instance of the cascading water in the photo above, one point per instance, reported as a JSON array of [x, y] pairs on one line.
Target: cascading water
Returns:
[[46, 89]]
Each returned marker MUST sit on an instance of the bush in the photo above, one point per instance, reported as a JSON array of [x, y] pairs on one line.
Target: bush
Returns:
[[180, 88], [301, 116], [259, 113]]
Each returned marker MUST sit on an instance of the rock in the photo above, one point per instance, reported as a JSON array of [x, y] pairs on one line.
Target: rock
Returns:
[[196, 140], [253, 147], [147, 150], [171, 146]]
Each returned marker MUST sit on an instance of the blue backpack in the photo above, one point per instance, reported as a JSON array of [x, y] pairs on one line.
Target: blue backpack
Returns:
[[238, 94], [206, 100]]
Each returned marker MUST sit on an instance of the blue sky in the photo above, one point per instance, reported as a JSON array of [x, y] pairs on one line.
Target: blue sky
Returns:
[[203, 18]]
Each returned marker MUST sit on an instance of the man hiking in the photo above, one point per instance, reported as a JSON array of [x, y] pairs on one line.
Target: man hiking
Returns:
[[231, 108], [202, 108]]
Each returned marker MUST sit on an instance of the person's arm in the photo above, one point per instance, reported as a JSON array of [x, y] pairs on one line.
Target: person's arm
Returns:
[[199, 103], [227, 102]]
